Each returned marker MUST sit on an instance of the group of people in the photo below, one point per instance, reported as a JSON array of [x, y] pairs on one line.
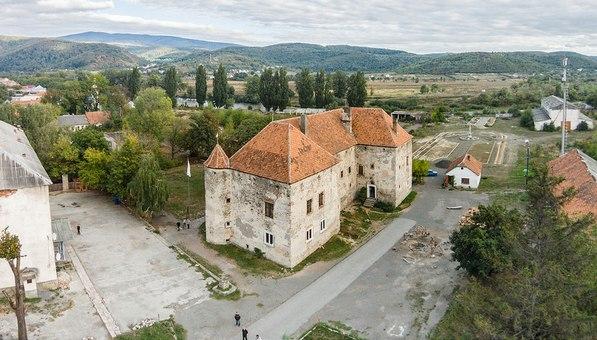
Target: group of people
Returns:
[[244, 331], [186, 224]]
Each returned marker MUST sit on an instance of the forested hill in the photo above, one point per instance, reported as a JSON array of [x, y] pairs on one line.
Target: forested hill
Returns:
[[353, 58], [498, 62], [32, 55]]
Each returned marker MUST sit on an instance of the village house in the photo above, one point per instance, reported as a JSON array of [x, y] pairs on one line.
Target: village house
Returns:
[[73, 122], [579, 172], [552, 111], [28, 95], [464, 172], [25, 209], [97, 118], [283, 191]]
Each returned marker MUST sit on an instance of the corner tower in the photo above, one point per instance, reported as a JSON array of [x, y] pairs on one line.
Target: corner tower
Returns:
[[218, 197]]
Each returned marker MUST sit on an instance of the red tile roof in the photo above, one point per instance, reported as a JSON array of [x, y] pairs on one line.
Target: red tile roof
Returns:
[[468, 162], [217, 159], [373, 126], [97, 117], [281, 152], [574, 168]]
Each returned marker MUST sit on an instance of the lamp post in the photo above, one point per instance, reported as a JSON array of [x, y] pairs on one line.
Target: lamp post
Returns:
[[526, 170]]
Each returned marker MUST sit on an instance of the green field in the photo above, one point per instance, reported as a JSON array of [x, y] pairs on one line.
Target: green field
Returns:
[[178, 183]]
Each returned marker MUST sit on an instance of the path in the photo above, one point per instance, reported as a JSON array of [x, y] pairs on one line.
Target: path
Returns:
[[288, 317]]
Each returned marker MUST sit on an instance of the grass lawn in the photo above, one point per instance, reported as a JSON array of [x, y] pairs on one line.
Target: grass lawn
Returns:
[[161, 330], [177, 183], [330, 331], [481, 151]]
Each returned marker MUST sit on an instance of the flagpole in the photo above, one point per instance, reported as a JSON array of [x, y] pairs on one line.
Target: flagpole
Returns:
[[188, 186]]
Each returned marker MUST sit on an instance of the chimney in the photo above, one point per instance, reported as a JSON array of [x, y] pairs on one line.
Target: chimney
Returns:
[[347, 119], [468, 157], [395, 121], [304, 123]]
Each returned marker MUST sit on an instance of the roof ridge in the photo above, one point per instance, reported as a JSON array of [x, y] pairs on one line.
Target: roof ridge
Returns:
[[289, 158], [247, 142]]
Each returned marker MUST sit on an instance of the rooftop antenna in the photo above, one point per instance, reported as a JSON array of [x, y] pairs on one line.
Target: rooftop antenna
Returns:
[[565, 91]]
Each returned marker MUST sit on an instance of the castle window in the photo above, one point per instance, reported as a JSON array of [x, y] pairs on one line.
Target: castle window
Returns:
[[309, 206], [361, 170], [269, 209], [349, 169], [321, 199], [309, 235], [342, 174], [269, 239], [228, 224], [322, 226], [372, 166], [227, 199]]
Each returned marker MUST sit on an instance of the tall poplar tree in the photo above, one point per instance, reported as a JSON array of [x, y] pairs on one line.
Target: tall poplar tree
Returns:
[[319, 89], [339, 84], [134, 82], [357, 89], [220, 91], [283, 92], [201, 85], [171, 84], [267, 89], [304, 87]]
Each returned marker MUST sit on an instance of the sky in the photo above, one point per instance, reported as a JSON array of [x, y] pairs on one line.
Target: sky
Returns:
[[418, 26]]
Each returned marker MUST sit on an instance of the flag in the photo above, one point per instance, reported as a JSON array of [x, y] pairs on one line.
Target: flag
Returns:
[[188, 168]]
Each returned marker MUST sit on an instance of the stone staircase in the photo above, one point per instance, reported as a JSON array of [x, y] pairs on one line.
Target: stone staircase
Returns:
[[370, 202]]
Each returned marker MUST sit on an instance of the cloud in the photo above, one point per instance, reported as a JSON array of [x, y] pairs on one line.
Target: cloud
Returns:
[[74, 5]]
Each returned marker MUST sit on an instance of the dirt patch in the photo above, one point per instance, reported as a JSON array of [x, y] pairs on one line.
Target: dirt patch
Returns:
[[419, 243]]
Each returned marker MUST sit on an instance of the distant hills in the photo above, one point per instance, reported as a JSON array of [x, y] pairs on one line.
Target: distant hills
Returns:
[[35, 54], [98, 50]]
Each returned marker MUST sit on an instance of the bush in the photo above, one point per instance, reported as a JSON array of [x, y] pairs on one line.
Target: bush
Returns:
[[361, 195], [549, 127], [259, 252], [384, 206], [419, 170], [582, 126], [526, 120]]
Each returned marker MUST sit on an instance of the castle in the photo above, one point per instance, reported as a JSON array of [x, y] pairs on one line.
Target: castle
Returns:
[[283, 191]]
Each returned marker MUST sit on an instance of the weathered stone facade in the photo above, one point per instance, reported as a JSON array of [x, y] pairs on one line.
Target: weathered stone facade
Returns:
[[306, 211]]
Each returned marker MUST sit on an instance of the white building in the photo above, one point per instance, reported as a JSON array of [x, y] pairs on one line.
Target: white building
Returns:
[[283, 191], [464, 172], [25, 209], [552, 111]]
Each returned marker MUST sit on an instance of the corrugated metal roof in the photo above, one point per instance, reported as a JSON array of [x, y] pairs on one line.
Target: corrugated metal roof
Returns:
[[540, 115], [72, 120], [19, 165]]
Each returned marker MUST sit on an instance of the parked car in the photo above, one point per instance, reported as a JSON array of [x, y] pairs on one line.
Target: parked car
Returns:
[[431, 173]]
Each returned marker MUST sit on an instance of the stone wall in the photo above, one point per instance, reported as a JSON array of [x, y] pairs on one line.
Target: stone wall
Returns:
[[217, 211], [26, 213], [325, 182], [346, 174]]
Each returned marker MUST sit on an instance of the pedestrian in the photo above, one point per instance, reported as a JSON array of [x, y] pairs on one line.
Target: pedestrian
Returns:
[[78, 229], [177, 225], [237, 319], [245, 334]]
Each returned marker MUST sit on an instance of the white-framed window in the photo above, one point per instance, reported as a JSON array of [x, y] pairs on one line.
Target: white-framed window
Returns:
[[322, 226], [309, 235], [269, 238]]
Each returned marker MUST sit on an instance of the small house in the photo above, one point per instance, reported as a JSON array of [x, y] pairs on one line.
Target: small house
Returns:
[[464, 172], [73, 122]]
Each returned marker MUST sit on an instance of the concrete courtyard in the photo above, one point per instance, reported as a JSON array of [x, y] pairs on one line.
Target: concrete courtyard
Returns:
[[135, 274]]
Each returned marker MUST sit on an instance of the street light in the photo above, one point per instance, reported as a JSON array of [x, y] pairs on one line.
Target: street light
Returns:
[[527, 143]]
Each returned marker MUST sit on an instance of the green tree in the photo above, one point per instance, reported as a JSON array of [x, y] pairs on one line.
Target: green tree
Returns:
[[438, 114], [171, 84], [153, 115], [3, 93], [148, 189], [90, 137], [201, 136], [356, 94], [10, 250], [424, 89], [201, 85], [63, 158], [7, 113], [94, 169], [220, 87], [328, 92], [304, 88], [282, 90], [267, 89], [319, 89], [177, 136], [123, 165], [41, 127], [340, 84], [526, 120], [420, 169], [252, 90], [134, 82]]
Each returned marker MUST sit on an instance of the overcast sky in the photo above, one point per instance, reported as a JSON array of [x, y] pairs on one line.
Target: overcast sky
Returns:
[[418, 26]]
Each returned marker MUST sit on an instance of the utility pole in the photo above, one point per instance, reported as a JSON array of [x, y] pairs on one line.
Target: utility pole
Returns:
[[565, 92]]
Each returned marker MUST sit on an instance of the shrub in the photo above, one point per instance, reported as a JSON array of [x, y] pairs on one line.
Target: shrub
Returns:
[[419, 170], [361, 195], [526, 120], [549, 127], [259, 252], [582, 126], [384, 206]]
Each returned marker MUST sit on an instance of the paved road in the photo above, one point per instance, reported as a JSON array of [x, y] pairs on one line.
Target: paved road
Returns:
[[287, 318]]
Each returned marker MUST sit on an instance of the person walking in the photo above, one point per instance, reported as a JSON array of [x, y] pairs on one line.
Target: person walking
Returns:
[[177, 225], [78, 229], [245, 334], [237, 319]]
